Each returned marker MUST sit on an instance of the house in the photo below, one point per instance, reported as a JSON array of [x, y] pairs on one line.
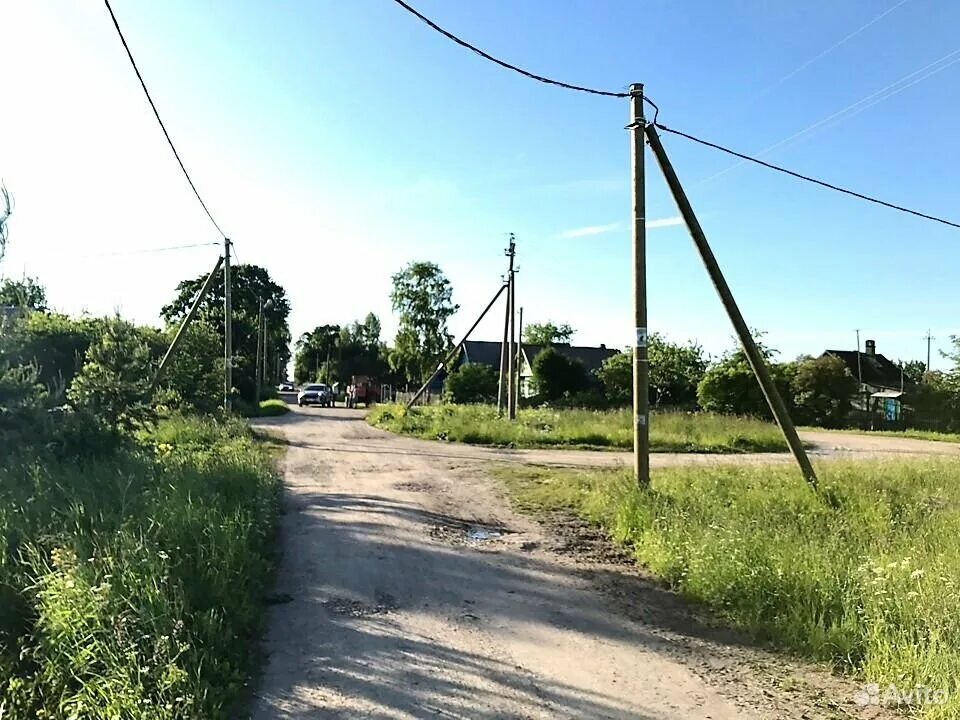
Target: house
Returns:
[[882, 388], [488, 353]]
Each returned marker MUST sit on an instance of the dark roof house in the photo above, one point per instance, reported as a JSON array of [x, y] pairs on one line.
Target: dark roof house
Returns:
[[874, 370]]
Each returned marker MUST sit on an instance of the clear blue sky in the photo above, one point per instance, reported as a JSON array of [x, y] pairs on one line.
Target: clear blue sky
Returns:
[[335, 141]]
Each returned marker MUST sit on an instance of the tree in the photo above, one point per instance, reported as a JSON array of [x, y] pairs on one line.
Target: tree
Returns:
[[27, 293], [675, 371], [54, 344], [913, 370], [5, 212], [113, 382], [316, 349], [547, 333], [423, 298], [194, 377], [730, 387], [822, 390], [616, 376], [249, 285], [555, 375], [472, 383]]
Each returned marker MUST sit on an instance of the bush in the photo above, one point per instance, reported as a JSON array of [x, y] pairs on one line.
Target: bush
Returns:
[[731, 388], [472, 383], [273, 408], [54, 344], [555, 375]]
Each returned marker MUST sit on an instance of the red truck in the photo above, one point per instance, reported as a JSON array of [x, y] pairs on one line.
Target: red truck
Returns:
[[362, 389]]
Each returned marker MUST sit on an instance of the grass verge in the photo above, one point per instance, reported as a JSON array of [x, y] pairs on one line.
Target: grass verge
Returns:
[[913, 434], [865, 574], [131, 586], [669, 432], [273, 408]]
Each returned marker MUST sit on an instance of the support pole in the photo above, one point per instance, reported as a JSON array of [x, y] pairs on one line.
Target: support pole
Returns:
[[641, 366], [757, 363], [227, 330], [183, 326], [511, 253], [455, 348]]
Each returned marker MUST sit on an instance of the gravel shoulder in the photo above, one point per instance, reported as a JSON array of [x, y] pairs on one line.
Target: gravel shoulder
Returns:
[[409, 589]]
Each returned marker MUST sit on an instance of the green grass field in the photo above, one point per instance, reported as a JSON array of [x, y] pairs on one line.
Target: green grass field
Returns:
[[132, 585], [669, 432], [865, 574]]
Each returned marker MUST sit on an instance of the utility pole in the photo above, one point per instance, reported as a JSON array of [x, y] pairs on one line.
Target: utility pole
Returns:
[[929, 338], [507, 350], [519, 358], [641, 367], [501, 384], [512, 301], [227, 329], [757, 363], [260, 349]]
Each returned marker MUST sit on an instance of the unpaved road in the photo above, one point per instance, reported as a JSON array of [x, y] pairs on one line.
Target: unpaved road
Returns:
[[408, 589]]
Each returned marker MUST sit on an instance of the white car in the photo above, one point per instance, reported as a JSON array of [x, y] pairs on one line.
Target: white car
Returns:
[[316, 394]]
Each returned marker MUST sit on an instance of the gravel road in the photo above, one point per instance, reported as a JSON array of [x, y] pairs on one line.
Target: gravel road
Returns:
[[408, 589]]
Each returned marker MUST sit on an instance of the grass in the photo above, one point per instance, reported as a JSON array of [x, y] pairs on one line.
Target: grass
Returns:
[[273, 408], [909, 433], [131, 586], [865, 574], [669, 432]]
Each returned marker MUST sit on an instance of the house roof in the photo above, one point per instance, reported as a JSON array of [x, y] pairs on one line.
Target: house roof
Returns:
[[875, 369], [488, 353]]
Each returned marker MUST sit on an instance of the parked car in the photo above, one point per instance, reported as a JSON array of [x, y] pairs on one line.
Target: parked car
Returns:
[[286, 387], [317, 394]]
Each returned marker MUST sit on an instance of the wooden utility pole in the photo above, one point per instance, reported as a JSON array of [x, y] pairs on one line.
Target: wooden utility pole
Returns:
[[260, 350], [508, 329], [227, 330], [519, 357], [501, 385], [757, 363], [455, 349], [641, 367], [929, 338], [208, 283], [512, 301]]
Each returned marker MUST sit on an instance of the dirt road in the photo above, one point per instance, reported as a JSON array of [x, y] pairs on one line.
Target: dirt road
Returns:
[[408, 589]]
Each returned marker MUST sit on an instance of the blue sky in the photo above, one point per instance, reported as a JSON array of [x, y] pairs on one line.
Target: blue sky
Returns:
[[336, 141]]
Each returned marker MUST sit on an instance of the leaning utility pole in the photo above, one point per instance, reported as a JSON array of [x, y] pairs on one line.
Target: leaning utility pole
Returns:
[[227, 329], [186, 322], [641, 366], [455, 349], [757, 363]]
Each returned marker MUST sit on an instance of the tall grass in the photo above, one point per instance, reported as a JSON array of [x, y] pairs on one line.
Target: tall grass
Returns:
[[130, 585], [865, 574], [669, 432]]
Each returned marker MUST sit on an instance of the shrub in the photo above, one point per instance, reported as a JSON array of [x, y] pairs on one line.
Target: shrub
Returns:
[[822, 390], [472, 383], [731, 388], [554, 375]]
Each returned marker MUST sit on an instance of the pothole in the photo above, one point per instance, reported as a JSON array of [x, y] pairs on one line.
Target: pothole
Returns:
[[468, 533], [412, 486], [383, 603]]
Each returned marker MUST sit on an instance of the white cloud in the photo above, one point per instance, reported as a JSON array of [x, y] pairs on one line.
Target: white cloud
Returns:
[[588, 231], [664, 222]]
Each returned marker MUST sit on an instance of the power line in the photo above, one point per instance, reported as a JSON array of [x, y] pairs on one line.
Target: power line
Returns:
[[855, 108], [157, 114], [145, 250], [503, 63], [807, 178]]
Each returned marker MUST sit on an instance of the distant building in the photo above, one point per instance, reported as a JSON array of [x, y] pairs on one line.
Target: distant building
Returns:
[[882, 388], [488, 353]]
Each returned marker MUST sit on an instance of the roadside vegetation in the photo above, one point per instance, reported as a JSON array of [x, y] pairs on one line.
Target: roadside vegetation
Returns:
[[669, 431], [136, 523], [863, 574]]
